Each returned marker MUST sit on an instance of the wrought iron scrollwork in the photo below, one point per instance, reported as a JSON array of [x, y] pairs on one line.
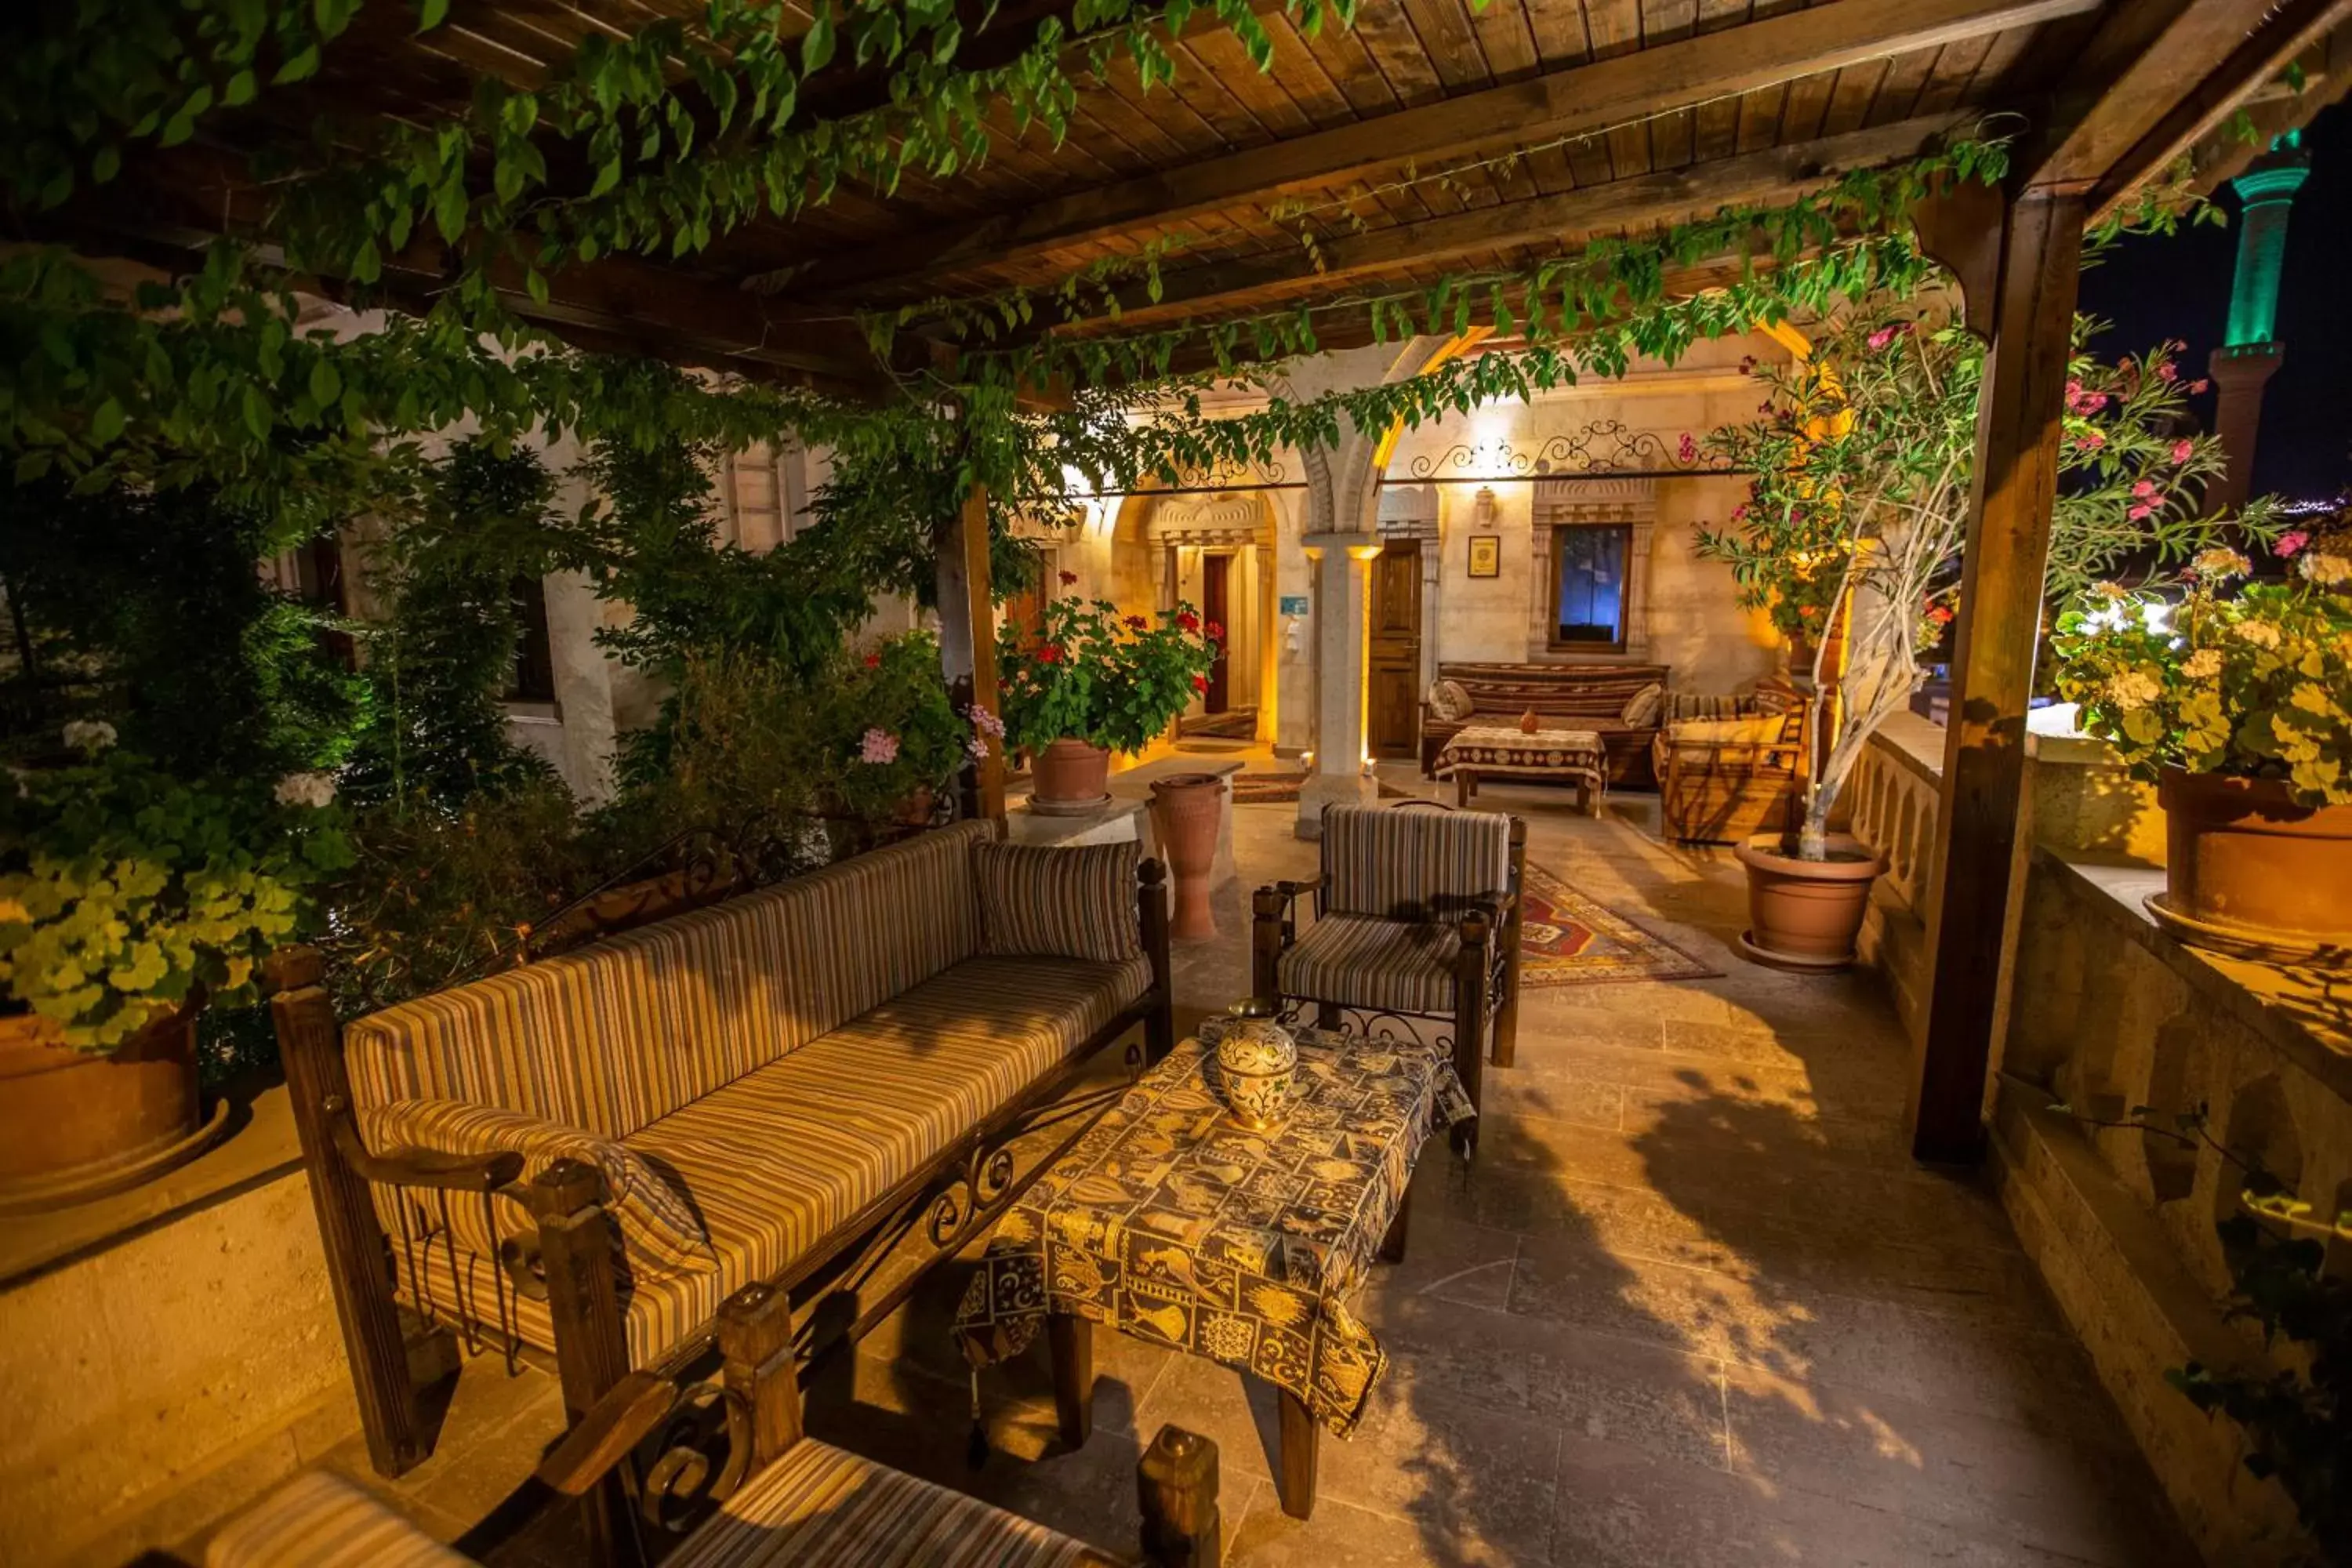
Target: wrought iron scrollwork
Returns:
[[956, 1212], [700, 1455], [1602, 446]]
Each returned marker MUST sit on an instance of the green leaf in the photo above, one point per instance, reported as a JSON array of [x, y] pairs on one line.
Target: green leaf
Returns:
[[431, 14], [326, 382], [106, 423], [817, 44], [300, 65]]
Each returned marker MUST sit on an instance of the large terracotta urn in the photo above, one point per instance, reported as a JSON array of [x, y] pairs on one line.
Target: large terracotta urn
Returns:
[[2248, 872], [1069, 778], [1805, 914], [1188, 809], [75, 1125]]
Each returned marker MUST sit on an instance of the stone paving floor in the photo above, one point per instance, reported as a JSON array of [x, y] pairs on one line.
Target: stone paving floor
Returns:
[[1692, 1306]]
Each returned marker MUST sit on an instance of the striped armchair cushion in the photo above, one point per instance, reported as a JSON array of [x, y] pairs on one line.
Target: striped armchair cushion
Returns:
[[1412, 864], [1046, 902], [826, 1508], [1389, 966], [1682, 705], [619, 1034], [659, 1233], [318, 1520]]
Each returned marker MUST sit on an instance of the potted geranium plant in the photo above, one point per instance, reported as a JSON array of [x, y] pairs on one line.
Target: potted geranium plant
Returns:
[[906, 739], [128, 898], [2240, 707], [1096, 682], [1863, 455]]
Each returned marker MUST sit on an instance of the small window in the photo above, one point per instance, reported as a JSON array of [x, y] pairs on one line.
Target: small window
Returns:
[[1588, 586], [534, 666]]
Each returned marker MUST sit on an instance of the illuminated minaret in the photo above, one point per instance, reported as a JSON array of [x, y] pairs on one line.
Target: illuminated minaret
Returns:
[[2251, 354]]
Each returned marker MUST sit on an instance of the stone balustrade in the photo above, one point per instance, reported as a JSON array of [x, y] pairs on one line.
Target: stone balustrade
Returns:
[[2112, 1032]]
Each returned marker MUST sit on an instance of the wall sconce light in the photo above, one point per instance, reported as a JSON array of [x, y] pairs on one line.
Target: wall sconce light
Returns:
[[1483, 508]]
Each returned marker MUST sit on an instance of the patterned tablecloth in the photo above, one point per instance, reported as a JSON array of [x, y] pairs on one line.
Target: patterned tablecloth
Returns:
[[1498, 750], [1168, 1221]]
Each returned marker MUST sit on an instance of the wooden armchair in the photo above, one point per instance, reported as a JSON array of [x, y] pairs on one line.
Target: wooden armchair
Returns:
[[1417, 916], [1723, 779], [774, 1499]]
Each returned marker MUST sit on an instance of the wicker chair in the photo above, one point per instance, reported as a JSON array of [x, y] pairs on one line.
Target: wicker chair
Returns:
[[1416, 916]]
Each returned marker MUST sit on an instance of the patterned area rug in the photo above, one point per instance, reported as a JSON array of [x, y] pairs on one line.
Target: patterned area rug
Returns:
[[1569, 940], [1275, 789]]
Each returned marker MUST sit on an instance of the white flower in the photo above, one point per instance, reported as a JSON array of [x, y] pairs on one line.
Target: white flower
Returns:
[[2221, 562], [2129, 688], [2324, 566], [2202, 665], [306, 789], [2261, 634], [90, 734]]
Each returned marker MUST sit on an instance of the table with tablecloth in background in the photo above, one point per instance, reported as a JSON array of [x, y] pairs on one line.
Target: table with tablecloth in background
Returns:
[[1506, 751], [1170, 1221]]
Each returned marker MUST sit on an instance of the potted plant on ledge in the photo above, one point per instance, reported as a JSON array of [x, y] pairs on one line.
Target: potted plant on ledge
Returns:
[[1096, 682], [1862, 458], [2239, 707], [128, 899]]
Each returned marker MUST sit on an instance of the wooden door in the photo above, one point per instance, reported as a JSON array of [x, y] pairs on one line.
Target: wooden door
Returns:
[[1023, 610], [1215, 602], [1392, 727]]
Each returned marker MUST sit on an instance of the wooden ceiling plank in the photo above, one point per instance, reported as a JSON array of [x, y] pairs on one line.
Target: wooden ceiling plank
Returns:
[[1640, 201], [1586, 97], [2147, 56], [1450, 42]]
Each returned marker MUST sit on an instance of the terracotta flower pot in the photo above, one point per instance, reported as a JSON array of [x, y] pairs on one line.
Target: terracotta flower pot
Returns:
[[1187, 809], [1805, 914], [74, 1126], [2248, 872], [1071, 777]]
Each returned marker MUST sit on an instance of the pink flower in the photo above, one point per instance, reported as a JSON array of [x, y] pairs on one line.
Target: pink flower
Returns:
[[984, 721], [1687, 450], [1739, 512], [2090, 440], [2288, 544], [2166, 371], [2140, 511], [2182, 450], [1880, 338], [1941, 614], [2074, 393], [878, 746], [2199, 385], [2144, 489]]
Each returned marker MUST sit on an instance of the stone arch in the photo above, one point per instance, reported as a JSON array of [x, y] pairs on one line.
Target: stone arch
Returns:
[[1184, 533]]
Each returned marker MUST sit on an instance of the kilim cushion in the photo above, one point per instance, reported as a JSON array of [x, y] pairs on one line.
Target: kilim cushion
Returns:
[[1682, 705], [1754, 728], [320, 1521], [1037, 900], [1642, 708], [1390, 967], [1412, 864], [660, 1234], [826, 1508], [1448, 701]]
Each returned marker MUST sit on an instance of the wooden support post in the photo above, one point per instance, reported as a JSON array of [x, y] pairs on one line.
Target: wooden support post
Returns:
[[968, 638], [2018, 430], [1176, 1483], [359, 1265], [1159, 1024], [1071, 1339], [575, 1241], [755, 1339], [1470, 1020]]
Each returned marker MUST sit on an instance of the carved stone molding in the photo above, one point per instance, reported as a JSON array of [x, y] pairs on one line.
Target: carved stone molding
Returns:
[[1233, 518], [1586, 503]]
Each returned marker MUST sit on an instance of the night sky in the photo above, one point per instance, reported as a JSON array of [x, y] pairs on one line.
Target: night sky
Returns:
[[2153, 287]]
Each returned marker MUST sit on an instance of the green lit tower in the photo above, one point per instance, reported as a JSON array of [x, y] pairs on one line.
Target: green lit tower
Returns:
[[2251, 354]]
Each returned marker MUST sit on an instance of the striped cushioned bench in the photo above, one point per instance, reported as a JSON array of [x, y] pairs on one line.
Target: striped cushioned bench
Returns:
[[1566, 696], [748, 1089]]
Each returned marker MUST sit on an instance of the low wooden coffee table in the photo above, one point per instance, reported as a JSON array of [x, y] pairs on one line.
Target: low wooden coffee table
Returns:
[[1506, 751], [1170, 1221]]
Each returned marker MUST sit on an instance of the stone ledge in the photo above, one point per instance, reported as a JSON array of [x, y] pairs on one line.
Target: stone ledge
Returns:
[[2295, 1013]]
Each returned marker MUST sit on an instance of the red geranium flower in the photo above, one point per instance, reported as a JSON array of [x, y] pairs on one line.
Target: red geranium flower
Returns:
[[1136, 622], [1216, 633], [1068, 578], [1188, 620], [873, 661], [1050, 654], [1200, 683]]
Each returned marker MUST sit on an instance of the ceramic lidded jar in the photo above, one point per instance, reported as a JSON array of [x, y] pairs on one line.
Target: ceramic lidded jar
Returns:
[[1257, 1061]]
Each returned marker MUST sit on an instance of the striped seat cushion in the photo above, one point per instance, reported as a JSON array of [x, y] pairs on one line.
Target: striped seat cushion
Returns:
[[1412, 864], [459, 1283], [318, 1519], [658, 1233], [1390, 967], [826, 1508], [778, 1160], [1050, 903]]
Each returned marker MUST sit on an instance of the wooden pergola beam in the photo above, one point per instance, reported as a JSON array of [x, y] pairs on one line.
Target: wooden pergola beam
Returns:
[[1577, 100], [1642, 201]]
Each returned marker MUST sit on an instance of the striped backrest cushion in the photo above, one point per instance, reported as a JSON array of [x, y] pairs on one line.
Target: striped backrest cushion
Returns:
[[1577, 690], [1040, 902], [615, 1036], [1415, 864], [1681, 705], [318, 1520]]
